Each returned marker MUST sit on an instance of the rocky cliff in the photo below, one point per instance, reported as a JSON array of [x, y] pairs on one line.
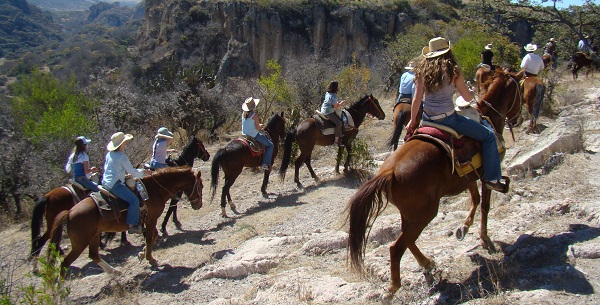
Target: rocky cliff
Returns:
[[239, 37]]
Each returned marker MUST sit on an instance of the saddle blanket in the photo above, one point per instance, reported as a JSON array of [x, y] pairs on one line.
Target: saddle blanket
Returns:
[[327, 127]]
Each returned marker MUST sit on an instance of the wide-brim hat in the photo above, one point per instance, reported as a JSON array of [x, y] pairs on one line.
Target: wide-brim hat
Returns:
[[552, 39], [530, 47], [83, 139], [117, 139], [250, 103], [437, 46], [488, 46], [164, 132], [410, 66]]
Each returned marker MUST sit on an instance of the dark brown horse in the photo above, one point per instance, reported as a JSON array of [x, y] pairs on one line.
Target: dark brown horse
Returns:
[[414, 178], [60, 199], [84, 223], [236, 155], [194, 149], [307, 134], [401, 118], [548, 62], [580, 60]]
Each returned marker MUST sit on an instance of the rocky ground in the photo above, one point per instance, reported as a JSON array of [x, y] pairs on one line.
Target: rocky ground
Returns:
[[289, 247]]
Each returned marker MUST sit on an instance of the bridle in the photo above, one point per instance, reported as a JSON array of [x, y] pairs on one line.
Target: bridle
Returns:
[[172, 195], [371, 101], [516, 101]]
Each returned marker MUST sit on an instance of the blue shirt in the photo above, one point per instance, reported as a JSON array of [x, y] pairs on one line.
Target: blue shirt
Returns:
[[249, 126], [328, 102], [116, 165], [407, 84]]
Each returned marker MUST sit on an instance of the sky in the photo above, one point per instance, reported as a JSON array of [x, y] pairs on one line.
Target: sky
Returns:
[[567, 3]]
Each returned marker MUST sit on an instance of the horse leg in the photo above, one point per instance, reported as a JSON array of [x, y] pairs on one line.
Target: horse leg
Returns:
[[263, 188], [338, 159], [310, 168], [462, 231], [297, 165], [225, 195], [348, 157], [94, 255], [151, 236], [173, 205], [124, 241], [486, 242]]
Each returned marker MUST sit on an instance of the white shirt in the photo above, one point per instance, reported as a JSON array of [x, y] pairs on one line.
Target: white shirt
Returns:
[[532, 63], [116, 166]]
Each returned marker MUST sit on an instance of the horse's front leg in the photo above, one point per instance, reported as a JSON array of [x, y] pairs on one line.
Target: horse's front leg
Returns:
[[486, 242], [462, 231], [338, 159], [263, 188], [348, 157], [151, 236]]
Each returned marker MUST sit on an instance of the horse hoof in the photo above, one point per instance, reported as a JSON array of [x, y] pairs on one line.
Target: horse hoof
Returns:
[[141, 256], [462, 232], [178, 226], [153, 263], [223, 213]]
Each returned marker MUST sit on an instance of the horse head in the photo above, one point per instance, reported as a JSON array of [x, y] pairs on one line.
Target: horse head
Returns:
[[276, 126], [374, 107], [194, 193], [202, 152], [502, 100]]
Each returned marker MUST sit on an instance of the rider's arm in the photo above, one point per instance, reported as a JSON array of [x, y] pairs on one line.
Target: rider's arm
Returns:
[[462, 88], [415, 106], [257, 123]]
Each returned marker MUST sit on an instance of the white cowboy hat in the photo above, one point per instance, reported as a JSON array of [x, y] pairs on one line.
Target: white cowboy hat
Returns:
[[437, 46], [488, 46], [250, 103], [552, 39], [117, 139], [530, 47], [84, 139], [410, 66], [164, 132]]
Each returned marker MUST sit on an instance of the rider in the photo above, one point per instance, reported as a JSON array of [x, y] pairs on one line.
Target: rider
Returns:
[[550, 49], [163, 138], [116, 165], [251, 127], [532, 63], [79, 162], [328, 107], [437, 76], [584, 45], [406, 89], [487, 56]]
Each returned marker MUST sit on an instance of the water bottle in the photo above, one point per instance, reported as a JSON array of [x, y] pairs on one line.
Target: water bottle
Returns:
[[141, 189]]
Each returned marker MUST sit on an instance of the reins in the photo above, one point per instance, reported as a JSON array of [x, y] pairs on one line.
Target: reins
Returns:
[[172, 195], [515, 101]]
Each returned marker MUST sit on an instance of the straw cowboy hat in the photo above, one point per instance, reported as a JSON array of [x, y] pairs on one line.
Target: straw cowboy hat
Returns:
[[552, 39], [410, 66], [117, 139], [488, 46], [164, 132], [83, 139], [437, 46], [530, 47], [250, 103]]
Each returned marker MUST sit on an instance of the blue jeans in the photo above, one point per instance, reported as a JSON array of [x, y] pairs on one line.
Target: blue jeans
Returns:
[[156, 165], [133, 211], [85, 182], [268, 148], [487, 137]]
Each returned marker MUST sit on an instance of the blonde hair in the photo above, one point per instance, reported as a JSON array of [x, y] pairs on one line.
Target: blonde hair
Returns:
[[437, 70]]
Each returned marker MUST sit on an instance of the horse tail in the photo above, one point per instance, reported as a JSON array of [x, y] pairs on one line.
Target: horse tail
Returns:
[[214, 172], [539, 99], [363, 208], [287, 152], [393, 140], [36, 224]]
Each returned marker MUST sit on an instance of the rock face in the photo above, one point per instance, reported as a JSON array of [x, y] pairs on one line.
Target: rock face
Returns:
[[245, 32]]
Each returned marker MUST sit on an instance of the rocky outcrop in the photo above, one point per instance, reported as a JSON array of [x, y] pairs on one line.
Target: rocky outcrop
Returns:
[[213, 31]]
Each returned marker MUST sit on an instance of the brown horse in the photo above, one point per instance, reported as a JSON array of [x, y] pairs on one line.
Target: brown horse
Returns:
[[401, 118], [236, 155], [548, 62], [307, 134], [414, 178], [580, 60], [482, 74], [60, 199], [84, 222], [533, 96]]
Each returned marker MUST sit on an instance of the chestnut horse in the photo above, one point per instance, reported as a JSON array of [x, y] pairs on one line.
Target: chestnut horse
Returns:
[[60, 199], [236, 155], [84, 223], [548, 62], [414, 178], [533, 97], [307, 134]]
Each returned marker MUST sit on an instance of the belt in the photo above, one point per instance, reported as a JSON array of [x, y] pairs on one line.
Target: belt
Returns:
[[439, 116]]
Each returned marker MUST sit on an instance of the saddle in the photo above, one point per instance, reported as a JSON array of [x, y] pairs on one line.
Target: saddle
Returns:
[[78, 192], [111, 207], [256, 148], [464, 152], [327, 127]]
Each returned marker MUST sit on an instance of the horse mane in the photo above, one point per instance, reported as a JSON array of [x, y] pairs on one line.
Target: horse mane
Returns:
[[495, 86], [167, 171]]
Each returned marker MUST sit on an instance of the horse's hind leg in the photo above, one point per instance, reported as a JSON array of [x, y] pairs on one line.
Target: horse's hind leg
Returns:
[[310, 168], [94, 255], [225, 195], [462, 231]]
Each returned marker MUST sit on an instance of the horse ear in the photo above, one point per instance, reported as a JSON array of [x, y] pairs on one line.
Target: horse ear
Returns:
[[282, 114]]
